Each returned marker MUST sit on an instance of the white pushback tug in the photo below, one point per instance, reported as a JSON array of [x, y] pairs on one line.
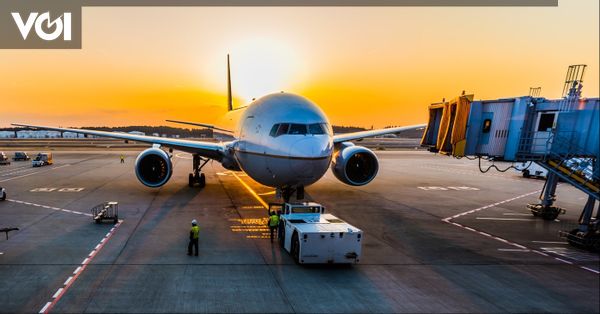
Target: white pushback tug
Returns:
[[313, 237]]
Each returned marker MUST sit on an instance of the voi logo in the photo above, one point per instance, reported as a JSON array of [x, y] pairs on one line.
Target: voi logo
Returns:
[[56, 27]]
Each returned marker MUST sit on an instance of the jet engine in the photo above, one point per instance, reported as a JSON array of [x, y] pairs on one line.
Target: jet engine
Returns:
[[354, 165], [153, 167]]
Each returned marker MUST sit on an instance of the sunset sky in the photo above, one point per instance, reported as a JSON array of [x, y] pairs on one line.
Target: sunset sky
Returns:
[[362, 66]]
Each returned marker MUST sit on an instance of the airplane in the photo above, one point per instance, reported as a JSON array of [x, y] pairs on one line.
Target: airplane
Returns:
[[281, 140]]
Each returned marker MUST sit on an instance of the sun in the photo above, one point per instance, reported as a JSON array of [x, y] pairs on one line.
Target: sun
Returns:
[[260, 66]]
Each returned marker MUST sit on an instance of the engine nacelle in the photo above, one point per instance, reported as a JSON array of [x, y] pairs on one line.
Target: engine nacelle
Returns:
[[354, 165], [153, 167]]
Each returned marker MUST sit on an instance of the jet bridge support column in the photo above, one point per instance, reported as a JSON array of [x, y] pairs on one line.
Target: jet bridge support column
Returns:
[[546, 208], [587, 236]]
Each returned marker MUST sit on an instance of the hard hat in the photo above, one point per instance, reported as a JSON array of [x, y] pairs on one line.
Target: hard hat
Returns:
[[194, 222]]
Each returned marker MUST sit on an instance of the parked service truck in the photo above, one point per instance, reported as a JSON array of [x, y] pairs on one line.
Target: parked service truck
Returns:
[[313, 237], [42, 159]]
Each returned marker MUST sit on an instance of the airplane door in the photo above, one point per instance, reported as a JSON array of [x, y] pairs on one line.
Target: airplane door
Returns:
[[544, 125]]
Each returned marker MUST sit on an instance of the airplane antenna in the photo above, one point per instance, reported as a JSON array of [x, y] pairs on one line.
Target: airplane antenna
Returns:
[[229, 98]]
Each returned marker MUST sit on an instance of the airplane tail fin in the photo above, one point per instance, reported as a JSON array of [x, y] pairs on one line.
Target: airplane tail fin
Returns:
[[229, 97]]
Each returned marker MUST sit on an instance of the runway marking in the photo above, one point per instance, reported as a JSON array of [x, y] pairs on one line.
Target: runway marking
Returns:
[[448, 220], [49, 207], [78, 271], [572, 254], [514, 250], [550, 242], [492, 205], [45, 307], [447, 188], [506, 219], [516, 214], [26, 175], [258, 198]]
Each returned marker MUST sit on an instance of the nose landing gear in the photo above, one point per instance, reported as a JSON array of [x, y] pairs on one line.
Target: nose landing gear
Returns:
[[197, 176], [287, 192]]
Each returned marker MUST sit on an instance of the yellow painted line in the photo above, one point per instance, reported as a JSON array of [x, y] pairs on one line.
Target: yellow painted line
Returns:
[[258, 198]]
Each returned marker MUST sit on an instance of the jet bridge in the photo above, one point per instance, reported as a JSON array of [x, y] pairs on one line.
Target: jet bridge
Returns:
[[561, 135]]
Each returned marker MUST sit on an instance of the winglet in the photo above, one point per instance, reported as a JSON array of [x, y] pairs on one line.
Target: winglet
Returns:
[[229, 98]]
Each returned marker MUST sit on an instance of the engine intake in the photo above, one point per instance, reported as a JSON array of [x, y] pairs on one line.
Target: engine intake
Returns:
[[153, 167], [354, 165]]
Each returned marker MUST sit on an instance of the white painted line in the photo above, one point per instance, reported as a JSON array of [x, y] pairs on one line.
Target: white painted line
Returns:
[[85, 261], [538, 252], [76, 270], [26, 175], [550, 242], [514, 250], [562, 260], [500, 239], [92, 253], [103, 239], [108, 234], [519, 246], [589, 269], [505, 219], [68, 280], [485, 234], [97, 246], [43, 310], [57, 293], [470, 229], [516, 214]]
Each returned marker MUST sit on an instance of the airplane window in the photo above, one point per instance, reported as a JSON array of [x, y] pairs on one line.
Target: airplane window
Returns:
[[326, 128], [297, 129], [283, 129], [316, 128], [273, 132]]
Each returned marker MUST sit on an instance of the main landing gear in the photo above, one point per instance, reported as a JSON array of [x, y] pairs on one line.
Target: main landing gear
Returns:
[[197, 176]]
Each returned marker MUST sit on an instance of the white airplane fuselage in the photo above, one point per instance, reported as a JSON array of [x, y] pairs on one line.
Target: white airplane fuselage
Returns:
[[283, 140]]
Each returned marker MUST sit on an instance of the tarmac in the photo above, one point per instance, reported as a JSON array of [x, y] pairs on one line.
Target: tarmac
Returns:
[[439, 236]]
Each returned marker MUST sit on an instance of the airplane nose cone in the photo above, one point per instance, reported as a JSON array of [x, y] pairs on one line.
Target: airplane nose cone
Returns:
[[307, 157], [308, 147]]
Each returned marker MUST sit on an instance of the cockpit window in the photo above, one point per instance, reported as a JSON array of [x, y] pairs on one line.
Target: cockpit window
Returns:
[[274, 130], [316, 128], [298, 129], [283, 129]]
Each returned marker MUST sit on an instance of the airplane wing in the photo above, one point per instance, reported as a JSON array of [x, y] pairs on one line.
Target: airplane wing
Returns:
[[209, 126], [205, 149], [371, 133]]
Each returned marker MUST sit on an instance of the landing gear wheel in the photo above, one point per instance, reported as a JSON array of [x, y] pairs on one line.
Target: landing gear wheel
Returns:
[[526, 174], [191, 180], [3, 197], [201, 180], [551, 215], [296, 248]]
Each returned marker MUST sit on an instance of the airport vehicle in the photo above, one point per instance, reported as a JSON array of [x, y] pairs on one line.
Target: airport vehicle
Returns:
[[281, 140], [21, 156], [531, 169], [3, 159], [313, 237], [42, 159], [2, 194]]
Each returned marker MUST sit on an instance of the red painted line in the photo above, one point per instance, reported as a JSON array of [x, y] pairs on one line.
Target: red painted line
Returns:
[[48, 307]]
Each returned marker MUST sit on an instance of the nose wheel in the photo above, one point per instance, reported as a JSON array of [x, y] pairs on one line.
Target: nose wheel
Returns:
[[197, 177]]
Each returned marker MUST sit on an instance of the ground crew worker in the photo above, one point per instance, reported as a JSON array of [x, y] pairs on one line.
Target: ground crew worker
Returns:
[[194, 235], [273, 223], [122, 158]]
